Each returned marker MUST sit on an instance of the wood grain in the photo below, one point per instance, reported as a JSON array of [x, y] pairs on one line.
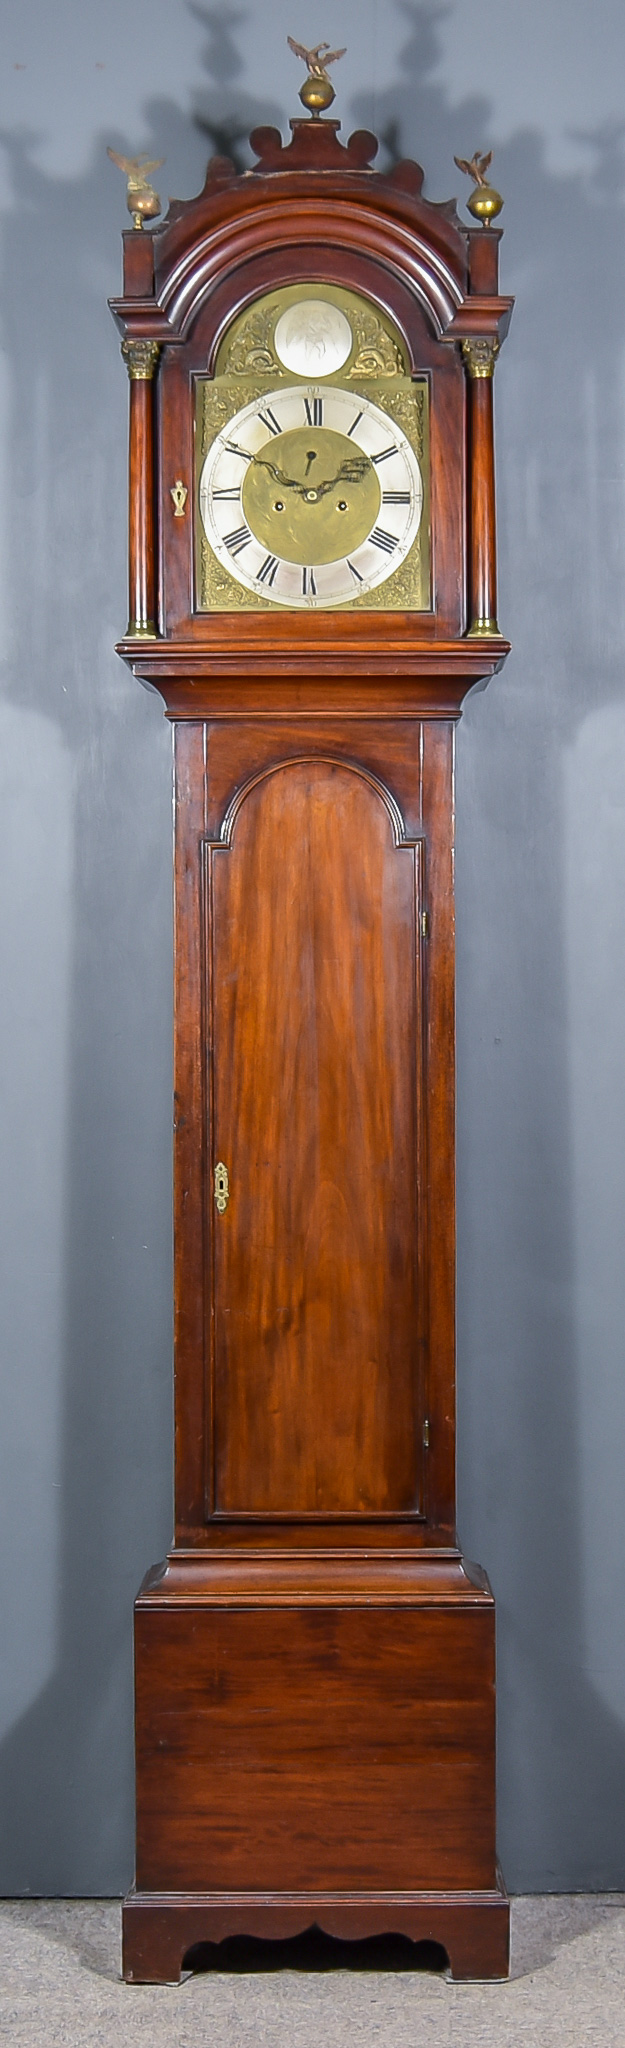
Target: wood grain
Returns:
[[483, 529], [379, 1774], [315, 957], [141, 506]]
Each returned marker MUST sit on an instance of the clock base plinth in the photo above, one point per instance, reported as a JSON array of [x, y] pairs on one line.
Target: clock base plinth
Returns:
[[315, 1737], [160, 1929]]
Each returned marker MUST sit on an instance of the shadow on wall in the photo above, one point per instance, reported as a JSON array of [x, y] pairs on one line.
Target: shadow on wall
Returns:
[[541, 1006], [85, 834], [88, 1408]]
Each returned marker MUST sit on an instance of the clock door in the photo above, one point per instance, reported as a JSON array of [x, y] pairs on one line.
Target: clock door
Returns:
[[315, 1019]]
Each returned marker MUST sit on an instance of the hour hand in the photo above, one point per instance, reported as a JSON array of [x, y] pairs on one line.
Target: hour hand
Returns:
[[287, 483]]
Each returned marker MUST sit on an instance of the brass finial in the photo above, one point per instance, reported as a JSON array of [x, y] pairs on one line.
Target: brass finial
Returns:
[[141, 199], [317, 91], [483, 202]]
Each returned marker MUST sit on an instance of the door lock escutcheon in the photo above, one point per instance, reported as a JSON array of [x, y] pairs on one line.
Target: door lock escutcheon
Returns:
[[222, 1187]]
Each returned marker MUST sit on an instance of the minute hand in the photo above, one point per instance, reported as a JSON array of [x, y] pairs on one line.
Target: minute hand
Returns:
[[351, 471]]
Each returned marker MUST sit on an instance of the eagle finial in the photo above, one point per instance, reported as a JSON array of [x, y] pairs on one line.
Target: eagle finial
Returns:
[[317, 91], [141, 199], [483, 202]]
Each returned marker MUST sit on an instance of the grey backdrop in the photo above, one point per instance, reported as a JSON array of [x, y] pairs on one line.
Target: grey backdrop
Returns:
[[85, 1041]]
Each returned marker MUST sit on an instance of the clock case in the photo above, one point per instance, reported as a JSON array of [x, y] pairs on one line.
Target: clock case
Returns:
[[315, 1661]]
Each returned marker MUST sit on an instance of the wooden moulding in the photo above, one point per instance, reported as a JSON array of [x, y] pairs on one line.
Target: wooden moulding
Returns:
[[234, 1577], [381, 671], [159, 1929]]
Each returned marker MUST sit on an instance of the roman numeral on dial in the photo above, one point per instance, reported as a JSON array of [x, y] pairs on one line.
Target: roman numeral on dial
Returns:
[[354, 571], [313, 408], [237, 540], [268, 570], [309, 587], [269, 420], [395, 497], [385, 452], [233, 449], [380, 539], [232, 496]]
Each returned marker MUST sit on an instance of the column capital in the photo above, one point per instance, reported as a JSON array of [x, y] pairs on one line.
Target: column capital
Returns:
[[141, 358], [480, 352]]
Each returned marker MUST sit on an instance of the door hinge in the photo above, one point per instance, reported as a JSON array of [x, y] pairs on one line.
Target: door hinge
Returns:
[[426, 1436], [424, 921]]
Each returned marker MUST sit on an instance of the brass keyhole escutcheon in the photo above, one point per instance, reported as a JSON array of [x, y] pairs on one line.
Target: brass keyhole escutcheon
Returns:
[[179, 494], [222, 1187]]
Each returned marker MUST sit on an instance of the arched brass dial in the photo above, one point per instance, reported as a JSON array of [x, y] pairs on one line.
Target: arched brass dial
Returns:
[[311, 496]]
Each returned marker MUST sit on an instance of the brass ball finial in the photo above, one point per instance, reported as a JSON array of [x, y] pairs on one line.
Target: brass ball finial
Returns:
[[484, 202], [316, 95], [317, 91]]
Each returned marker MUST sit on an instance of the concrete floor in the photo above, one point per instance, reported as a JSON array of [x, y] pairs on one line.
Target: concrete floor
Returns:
[[60, 1984]]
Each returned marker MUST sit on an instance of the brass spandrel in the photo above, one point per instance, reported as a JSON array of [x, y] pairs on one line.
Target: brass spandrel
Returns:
[[252, 347], [377, 353]]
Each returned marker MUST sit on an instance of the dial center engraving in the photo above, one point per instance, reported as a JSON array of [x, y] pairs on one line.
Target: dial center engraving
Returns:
[[320, 522]]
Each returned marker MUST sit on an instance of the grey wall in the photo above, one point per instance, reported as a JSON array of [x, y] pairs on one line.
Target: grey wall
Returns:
[[85, 1494]]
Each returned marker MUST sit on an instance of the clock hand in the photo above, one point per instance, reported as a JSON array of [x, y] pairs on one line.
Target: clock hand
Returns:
[[351, 471], [289, 483]]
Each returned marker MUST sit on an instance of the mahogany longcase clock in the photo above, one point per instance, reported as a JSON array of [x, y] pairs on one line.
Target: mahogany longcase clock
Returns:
[[312, 592]]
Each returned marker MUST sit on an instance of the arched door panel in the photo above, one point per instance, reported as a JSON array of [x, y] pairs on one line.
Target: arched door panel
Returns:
[[315, 1043]]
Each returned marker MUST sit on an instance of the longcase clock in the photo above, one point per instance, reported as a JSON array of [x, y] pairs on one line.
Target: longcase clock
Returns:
[[312, 592]]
